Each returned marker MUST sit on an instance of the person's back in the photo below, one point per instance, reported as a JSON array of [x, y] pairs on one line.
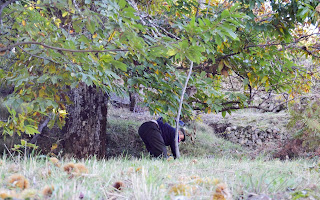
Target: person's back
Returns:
[[157, 135]]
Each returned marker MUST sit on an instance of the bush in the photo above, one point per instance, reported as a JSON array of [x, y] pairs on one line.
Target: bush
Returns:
[[305, 124]]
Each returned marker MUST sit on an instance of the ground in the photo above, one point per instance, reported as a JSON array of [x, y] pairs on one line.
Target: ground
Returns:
[[239, 118]]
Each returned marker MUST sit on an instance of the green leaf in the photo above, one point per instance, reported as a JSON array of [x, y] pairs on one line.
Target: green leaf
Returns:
[[84, 39], [30, 130], [184, 44], [235, 7], [119, 65], [106, 58], [225, 14], [172, 52], [130, 13], [230, 33], [91, 26], [218, 39], [122, 4], [223, 113]]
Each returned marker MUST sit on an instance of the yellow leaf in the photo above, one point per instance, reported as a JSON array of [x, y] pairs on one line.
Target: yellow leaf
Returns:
[[57, 22], [264, 79], [220, 66], [111, 36], [95, 35], [62, 112], [57, 97], [157, 72], [54, 146], [42, 93], [23, 23], [281, 30], [267, 83], [139, 169], [64, 14], [209, 111]]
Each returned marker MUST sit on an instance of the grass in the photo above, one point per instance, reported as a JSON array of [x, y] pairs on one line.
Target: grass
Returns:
[[205, 166], [147, 178]]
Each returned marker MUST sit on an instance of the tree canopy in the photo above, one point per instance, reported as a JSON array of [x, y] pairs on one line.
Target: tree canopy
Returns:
[[53, 45]]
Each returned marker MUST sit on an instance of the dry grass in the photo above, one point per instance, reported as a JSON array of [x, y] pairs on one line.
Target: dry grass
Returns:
[[158, 179], [220, 170]]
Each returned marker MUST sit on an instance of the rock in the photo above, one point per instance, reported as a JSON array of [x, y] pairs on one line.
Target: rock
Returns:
[[259, 142], [254, 137], [242, 141], [276, 130], [249, 143], [258, 197]]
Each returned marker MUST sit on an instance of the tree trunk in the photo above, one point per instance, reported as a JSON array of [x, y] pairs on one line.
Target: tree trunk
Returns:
[[133, 99], [85, 129]]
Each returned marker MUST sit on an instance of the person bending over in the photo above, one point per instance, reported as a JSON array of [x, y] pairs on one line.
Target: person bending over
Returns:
[[156, 135]]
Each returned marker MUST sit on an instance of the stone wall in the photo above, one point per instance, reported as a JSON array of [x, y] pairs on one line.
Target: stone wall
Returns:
[[249, 136]]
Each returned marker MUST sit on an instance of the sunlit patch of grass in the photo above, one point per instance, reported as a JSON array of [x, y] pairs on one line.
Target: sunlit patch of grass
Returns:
[[158, 179], [207, 144]]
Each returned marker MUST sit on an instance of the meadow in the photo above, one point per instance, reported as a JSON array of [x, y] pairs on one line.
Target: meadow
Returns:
[[210, 168], [145, 178]]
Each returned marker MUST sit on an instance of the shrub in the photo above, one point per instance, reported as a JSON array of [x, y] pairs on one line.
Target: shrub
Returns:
[[305, 124]]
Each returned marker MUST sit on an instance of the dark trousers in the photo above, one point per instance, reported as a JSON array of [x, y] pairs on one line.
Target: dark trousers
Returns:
[[151, 136]]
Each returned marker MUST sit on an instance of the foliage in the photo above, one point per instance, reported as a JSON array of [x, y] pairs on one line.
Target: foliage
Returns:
[[305, 121], [57, 44]]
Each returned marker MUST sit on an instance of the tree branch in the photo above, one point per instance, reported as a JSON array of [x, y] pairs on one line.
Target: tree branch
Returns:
[[179, 111], [36, 55], [40, 128], [2, 6], [58, 48]]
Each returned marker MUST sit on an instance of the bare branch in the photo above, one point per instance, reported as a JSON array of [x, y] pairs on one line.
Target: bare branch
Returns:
[[179, 111], [36, 55]]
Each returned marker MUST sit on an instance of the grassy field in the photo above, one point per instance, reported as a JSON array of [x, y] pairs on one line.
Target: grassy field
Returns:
[[210, 168], [146, 178]]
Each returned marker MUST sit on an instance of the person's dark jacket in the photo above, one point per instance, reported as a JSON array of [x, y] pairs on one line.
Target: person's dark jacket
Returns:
[[168, 135]]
